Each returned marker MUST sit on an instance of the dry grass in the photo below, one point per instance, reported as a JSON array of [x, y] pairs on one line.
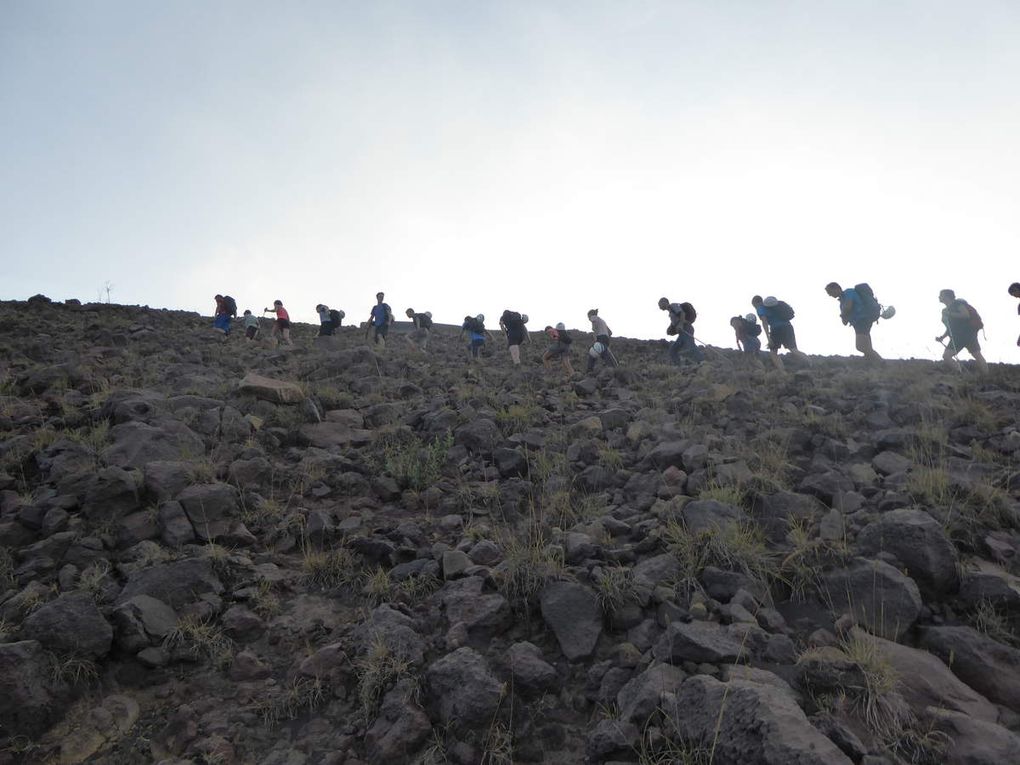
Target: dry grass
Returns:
[[330, 568], [377, 670], [297, 697], [73, 670], [200, 640], [529, 561], [615, 588], [732, 547]]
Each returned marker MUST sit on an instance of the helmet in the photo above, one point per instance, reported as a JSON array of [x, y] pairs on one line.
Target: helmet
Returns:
[[480, 317], [561, 326], [524, 318], [751, 318], [771, 302], [888, 312], [428, 314], [596, 350]]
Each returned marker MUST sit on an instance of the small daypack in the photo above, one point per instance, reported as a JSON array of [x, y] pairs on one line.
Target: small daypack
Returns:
[[230, 305], [424, 322], [871, 309], [335, 317], [473, 325], [563, 337], [751, 328], [784, 311]]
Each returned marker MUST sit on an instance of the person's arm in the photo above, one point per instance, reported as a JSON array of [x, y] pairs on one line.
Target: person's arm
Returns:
[[846, 309], [740, 345]]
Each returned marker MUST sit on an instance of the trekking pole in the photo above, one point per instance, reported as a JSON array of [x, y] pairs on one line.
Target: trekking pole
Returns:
[[713, 350]]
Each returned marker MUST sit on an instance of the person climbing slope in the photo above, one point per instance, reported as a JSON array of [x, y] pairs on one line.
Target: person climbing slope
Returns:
[[858, 308], [560, 349], [681, 324], [513, 324], [281, 327], [600, 348], [418, 337], [962, 323], [777, 320], [379, 320]]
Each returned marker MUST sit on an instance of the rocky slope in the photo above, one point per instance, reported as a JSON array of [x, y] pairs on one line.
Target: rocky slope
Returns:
[[223, 552]]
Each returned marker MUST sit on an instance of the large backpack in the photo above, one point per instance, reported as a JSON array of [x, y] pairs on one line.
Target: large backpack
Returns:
[[751, 328], [564, 338], [784, 311], [473, 325], [336, 317], [230, 305], [424, 322], [871, 310], [513, 320], [689, 313], [974, 320]]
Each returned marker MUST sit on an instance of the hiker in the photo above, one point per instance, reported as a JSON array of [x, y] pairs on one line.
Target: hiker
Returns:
[[326, 325], [777, 320], [962, 323], [251, 325], [336, 318], [858, 308], [226, 309], [681, 321], [474, 326], [1014, 290], [747, 329], [418, 338], [600, 348], [379, 320], [512, 323], [281, 327], [560, 349]]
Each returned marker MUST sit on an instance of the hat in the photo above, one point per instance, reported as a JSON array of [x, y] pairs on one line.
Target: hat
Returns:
[[771, 302]]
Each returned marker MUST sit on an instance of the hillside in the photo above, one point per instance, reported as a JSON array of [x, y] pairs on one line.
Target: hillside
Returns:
[[224, 552]]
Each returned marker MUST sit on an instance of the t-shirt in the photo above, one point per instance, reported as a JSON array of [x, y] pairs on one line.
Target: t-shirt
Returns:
[[857, 311], [281, 313], [958, 326], [677, 317], [771, 315], [324, 316], [599, 326], [380, 312], [251, 321]]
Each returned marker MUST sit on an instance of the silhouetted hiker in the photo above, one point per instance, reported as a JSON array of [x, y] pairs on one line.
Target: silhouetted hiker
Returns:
[[281, 327], [251, 325], [418, 338], [326, 326], [962, 323], [226, 308], [474, 326], [747, 329], [512, 323], [777, 319], [1014, 290], [681, 324], [600, 348], [858, 308], [560, 349], [379, 320]]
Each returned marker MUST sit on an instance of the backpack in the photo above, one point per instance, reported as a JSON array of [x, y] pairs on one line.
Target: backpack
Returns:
[[512, 320], [424, 322], [230, 305], [564, 337], [784, 311], [751, 328], [974, 320], [870, 308], [336, 317], [473, 325], [689, 313]]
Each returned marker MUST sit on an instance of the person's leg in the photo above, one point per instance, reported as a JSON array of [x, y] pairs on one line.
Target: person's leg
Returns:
[[675, 349], [515, 355], [774, 357], [691, 349], [547, 359], [864, 345], [286, 336], [981, 363]]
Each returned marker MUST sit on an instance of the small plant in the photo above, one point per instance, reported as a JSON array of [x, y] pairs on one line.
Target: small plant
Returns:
[[518, 417], [731, 547], [378, 587], [727, 494], [330, 568], [377, 670], [615, 588], [298, 696], [990, 621], [73, 670], [529, 562], [200, 639], [610, 458], [800, 566], [413, 463], [94, 579], [498, 748], [7, 580], [264, 601]]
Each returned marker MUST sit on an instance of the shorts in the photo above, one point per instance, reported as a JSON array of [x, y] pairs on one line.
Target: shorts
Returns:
[[782, 336], [862, 326], [964, 342], [283, 323], [514, 338], [222, 321], [381, 330], [250, 332]]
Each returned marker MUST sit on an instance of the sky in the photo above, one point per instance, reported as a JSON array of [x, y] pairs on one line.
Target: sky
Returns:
[[546, 156]]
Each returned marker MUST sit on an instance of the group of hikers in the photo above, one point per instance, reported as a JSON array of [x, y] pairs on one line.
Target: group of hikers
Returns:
[[858, 308]]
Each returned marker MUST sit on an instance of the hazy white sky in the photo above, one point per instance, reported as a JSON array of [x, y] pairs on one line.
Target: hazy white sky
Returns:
[[544, 156]]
